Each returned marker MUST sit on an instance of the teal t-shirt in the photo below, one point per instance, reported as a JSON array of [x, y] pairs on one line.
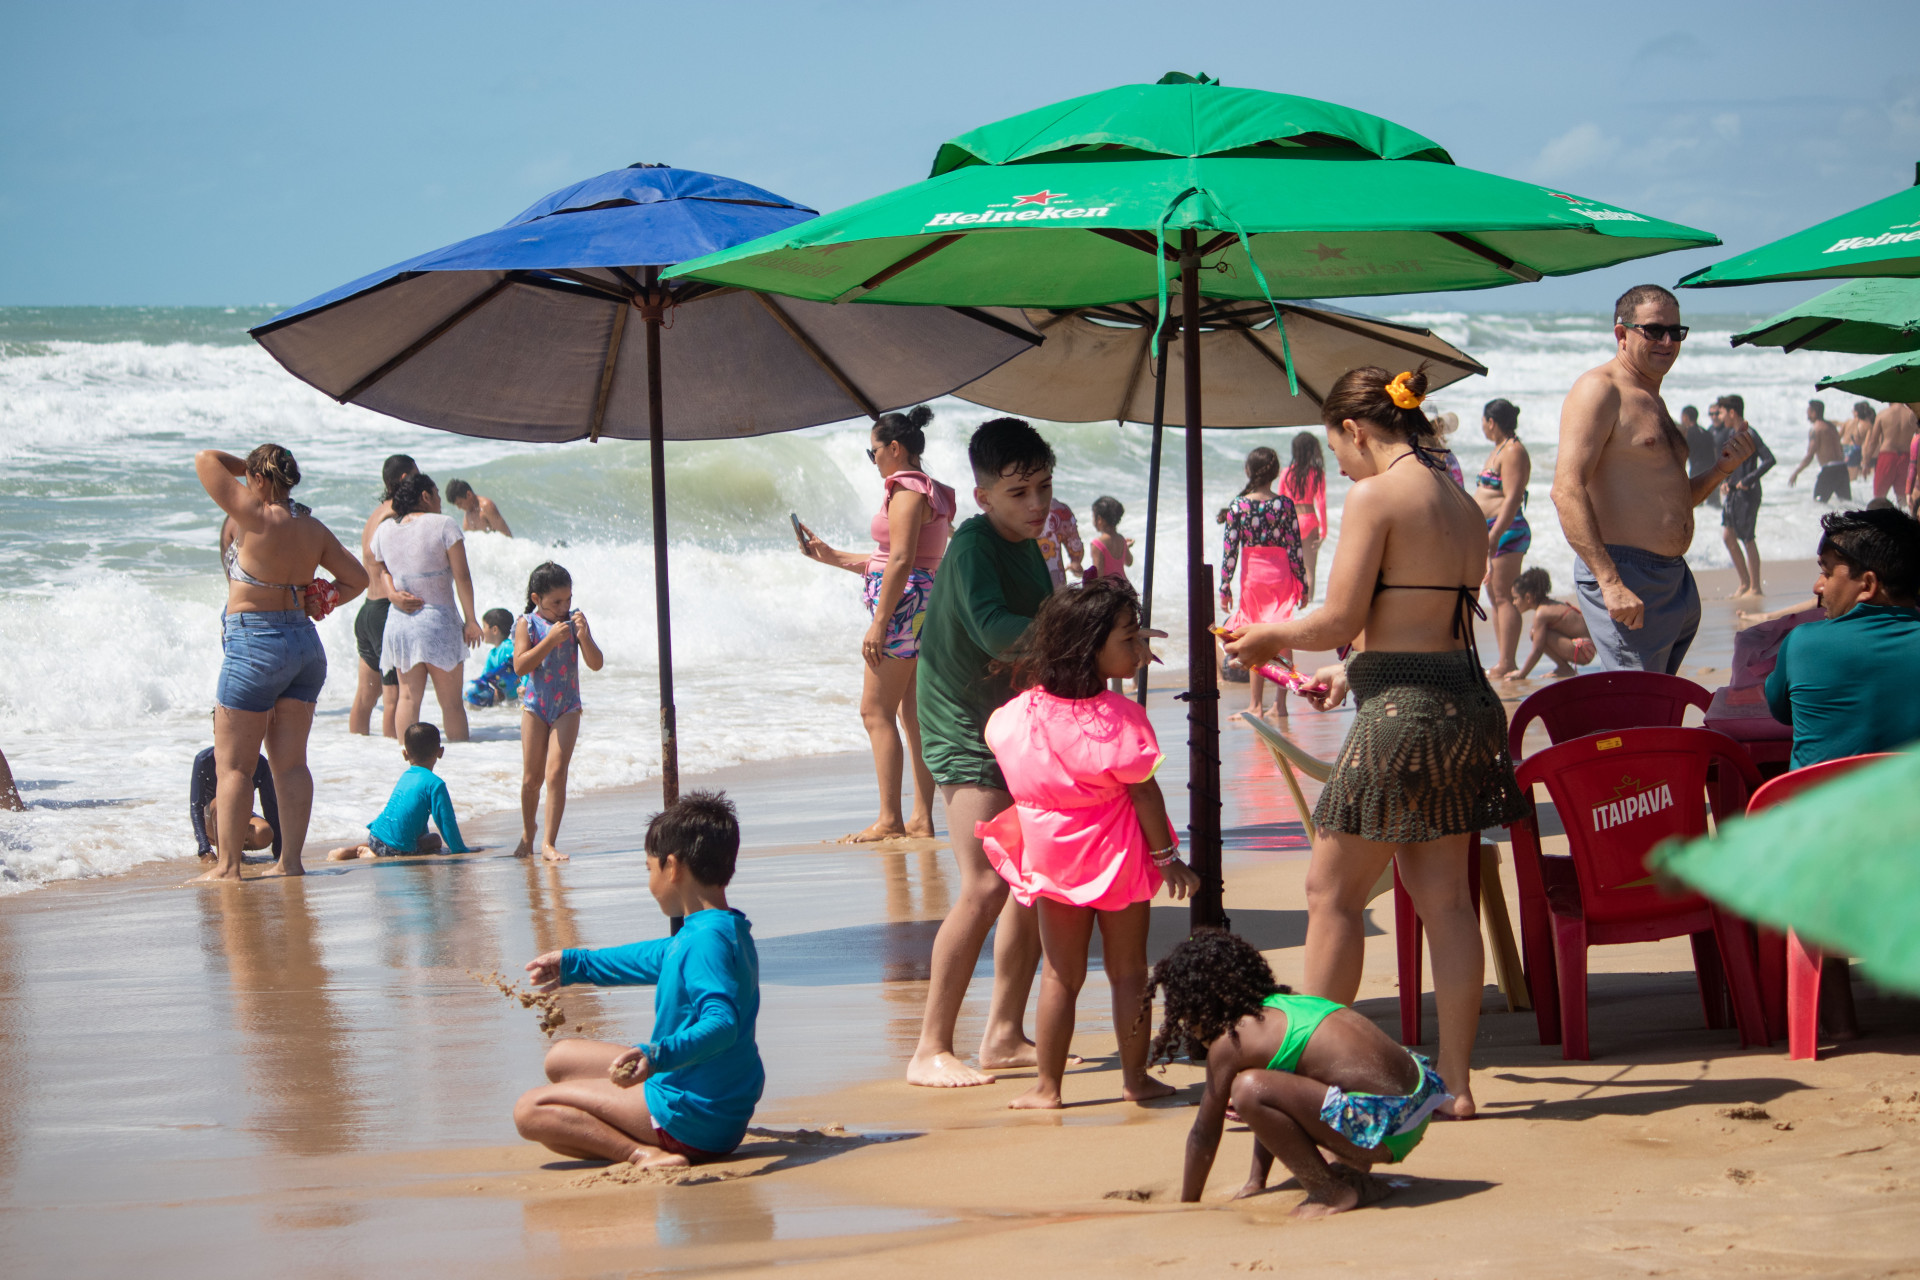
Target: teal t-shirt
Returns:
[[984, 595], [420, 794], [1845, 684]]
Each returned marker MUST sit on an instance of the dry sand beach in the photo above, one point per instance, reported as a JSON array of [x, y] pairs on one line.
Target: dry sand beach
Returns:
[[314, 1078]]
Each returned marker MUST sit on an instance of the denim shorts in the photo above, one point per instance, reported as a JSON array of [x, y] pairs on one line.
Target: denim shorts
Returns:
[[270, 656]]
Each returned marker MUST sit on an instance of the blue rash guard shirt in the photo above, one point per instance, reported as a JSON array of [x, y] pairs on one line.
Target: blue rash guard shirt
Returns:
[[706, 1000], [1846, 684], [420, 793]]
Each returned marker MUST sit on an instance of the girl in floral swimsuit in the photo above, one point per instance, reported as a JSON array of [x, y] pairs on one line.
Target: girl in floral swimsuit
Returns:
[[549, 643]]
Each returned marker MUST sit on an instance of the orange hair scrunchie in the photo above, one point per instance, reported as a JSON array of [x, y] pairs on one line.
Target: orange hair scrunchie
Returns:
[[1401, 394]]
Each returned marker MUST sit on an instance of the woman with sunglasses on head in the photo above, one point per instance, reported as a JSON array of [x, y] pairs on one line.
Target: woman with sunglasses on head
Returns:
[[1425, 767], [910, 534]]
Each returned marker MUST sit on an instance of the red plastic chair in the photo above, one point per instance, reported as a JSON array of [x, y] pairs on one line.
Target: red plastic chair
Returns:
[[1604, 701], [1409, 933], [1619, 795], [1800, 962]]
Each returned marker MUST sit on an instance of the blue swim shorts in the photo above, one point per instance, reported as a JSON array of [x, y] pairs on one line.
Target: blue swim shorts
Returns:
[[1665, 586], [1390, 1124], [269, 656]]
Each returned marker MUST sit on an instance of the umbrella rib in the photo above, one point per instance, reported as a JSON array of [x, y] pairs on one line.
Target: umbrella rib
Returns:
[[820, 357], [913, 259], [424, 341], [1811, 334], [1518, 270], [1137, 240], [1281, 365], [1334, 322], [582, 278], [995, 322], [606, 372]]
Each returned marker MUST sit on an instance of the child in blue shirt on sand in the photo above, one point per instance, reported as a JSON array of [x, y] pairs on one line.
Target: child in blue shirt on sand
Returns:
[[701, 1072], [401, 828]]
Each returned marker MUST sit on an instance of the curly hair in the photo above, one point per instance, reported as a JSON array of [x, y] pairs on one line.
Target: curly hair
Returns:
[[1210, 981], [410, 495], [274, 463], [1060, 651]]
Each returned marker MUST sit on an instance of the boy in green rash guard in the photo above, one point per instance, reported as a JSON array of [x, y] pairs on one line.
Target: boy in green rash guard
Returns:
[[991, 583]]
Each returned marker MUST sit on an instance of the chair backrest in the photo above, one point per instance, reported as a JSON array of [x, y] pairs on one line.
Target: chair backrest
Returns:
[[1622, 793], [1788, 785], [1605, 701]]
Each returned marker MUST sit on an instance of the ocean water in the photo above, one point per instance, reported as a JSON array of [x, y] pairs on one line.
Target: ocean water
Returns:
[[111, 594]]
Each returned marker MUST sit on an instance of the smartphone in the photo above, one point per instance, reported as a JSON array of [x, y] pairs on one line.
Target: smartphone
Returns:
[[798, 532]]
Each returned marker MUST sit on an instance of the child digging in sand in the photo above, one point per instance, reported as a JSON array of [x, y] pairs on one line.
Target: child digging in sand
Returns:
[[1559, 630], [1087, 840], [401, 828], [701, 1072], [1304, 1073], [549, 643]]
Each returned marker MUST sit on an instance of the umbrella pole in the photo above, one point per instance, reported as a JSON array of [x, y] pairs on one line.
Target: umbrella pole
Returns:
[[653, 313], [1153, 498], [1203, 691]]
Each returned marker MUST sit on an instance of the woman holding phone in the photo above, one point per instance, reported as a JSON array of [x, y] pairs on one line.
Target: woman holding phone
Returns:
[[910, 532]]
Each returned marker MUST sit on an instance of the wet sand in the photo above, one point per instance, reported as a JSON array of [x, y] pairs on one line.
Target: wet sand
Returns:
[[313, 1077]]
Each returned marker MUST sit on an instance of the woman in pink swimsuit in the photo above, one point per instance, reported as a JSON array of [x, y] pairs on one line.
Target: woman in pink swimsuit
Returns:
[[1305, 481], [910, 535]]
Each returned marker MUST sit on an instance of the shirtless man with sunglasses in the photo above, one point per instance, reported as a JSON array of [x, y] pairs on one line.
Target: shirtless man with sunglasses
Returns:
[[1625, 499]]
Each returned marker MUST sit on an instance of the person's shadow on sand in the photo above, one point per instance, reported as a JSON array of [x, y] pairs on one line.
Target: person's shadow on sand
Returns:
[[781, 1149]]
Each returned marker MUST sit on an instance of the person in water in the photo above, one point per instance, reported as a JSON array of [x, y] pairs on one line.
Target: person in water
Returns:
[[377, 684], [1306, 1074], [1501, 491], [1305, 482], [273, 664], [496, 685], [700, 1071], [263, 829], [550, 641], [420, 794], [1262, 540], [478, 513], [910, 534], [422, 553], [1425, 767]]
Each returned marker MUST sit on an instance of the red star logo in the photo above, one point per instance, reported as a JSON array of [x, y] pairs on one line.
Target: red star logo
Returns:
[[1038, 197], [1569, 199], [1324, 251]]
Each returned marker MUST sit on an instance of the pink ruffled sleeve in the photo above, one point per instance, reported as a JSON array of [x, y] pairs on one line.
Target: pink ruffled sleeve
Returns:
[[1133, 752], [939, 496]]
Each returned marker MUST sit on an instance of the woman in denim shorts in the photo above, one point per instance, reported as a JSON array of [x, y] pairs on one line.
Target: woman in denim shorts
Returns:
[[274, 665]]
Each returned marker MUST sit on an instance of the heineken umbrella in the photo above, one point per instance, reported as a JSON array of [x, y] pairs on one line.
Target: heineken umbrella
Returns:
[[1896, 378], [1098, 363], [1836, 865], [1879, 239], [1136, 192], [1870, 317], [523, 334]]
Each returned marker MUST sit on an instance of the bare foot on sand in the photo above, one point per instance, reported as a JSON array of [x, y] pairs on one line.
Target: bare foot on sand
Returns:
[[920, 829], [281, 869], [552, 854], [645, 1157], [1147, 1090], [525, 848], [216, 876], [1037, 1098], [1461, 1108], [944, 1071], [878, 831]]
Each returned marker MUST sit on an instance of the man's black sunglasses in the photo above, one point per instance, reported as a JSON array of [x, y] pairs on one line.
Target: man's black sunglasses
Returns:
[[1661, 332]]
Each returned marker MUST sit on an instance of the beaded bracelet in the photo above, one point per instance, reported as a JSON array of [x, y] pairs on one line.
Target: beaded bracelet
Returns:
[[1166, 856]]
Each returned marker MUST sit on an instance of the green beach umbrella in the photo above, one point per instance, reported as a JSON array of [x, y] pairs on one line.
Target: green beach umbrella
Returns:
[[1182, 191], [1879, 239], [1870, 317], [1895, 378], [1836, 865]]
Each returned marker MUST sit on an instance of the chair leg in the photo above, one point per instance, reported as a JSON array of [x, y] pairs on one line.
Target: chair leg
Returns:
[[1570, 953], [1743, 977], [1803, 998], [1498, 927], [1537, 944], [1771, 952], [1712, 977], [1407, 938]]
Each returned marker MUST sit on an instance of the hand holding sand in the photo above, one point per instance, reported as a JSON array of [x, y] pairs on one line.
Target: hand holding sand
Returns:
[[630, 1068], [543, 972]]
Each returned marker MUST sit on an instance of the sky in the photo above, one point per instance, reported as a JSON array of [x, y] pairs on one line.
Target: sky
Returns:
[[180, 152]]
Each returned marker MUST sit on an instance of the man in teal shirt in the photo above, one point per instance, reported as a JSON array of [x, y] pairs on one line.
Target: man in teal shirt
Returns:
[[1846, 684], [991, 583]]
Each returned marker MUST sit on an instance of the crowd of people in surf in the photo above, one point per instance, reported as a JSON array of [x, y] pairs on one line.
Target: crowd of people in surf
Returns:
[[994, 665]]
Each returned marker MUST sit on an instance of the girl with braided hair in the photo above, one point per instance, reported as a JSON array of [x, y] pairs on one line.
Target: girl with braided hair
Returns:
[[1425, 766], [1305, 1074]]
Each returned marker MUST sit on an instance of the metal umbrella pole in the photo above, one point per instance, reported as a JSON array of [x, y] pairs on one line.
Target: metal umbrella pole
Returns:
[[1153, 495], [653, 311], [1203, 691]]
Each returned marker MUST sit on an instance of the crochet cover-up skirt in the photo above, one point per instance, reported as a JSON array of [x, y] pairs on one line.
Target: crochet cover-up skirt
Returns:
[[1427, 756]]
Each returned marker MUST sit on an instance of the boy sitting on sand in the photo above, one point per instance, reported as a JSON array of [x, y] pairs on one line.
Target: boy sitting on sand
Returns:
[[701, 1071], [496, 684], [1559, 630], [401, 828]]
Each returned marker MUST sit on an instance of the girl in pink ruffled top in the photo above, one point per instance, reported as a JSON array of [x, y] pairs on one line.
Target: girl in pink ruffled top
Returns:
[[1087, 838], [910, 535]]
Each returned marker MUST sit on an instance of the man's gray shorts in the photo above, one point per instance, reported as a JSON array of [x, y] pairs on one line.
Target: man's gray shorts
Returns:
[[1672, 615]]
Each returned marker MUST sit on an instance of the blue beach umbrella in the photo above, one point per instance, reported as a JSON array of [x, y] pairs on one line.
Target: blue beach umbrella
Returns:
[[523, 334]]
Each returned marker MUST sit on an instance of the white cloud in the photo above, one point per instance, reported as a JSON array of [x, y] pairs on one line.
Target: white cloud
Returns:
[[1727, 125], [1582, 147]]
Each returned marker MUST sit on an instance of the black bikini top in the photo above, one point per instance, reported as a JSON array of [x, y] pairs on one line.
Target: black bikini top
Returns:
[[1467, 603]]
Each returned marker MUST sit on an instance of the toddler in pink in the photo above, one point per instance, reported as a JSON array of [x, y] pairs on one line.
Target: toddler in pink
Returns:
[[1087, 840]]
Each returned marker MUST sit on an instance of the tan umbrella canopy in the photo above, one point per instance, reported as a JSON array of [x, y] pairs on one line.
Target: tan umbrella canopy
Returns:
[[1097, 363]]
